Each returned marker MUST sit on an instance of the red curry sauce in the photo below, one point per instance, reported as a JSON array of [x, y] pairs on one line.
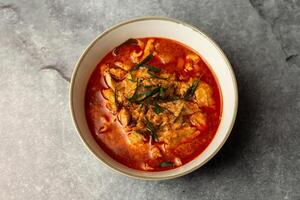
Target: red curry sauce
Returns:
[[172, 57]]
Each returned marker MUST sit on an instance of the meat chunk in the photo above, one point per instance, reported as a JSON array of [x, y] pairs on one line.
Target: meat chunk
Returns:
[[123, 66], [177, 161], [109, 95], [158, 119], [129, 85], [124, 117], [183, 86], [190, 108], [109, 81], [204, 96], [173, 137], [174, 107], [135, 138], [149, 48], [117, 73], [191, 61], [146, 167], [154, 152], [165, 58], [198, 119], [135, 56], [192, 57]]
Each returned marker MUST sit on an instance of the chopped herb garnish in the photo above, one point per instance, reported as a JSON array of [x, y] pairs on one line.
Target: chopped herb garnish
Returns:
[[148, 86], [191, 90], [157, 108], [162, 93], [143, 62], [152, 68], [151, 129], [136, 97], [135, 94], [145, 95], [150, 93], [131, 80], [166, 164], [156, 76]]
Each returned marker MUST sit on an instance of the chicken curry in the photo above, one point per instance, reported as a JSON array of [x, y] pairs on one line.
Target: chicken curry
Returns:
[[153, 104]]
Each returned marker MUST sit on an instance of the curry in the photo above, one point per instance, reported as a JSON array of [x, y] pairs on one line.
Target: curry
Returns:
[[153, 104]]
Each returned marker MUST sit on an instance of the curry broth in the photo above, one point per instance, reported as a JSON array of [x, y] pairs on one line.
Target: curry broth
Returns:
[[170, 57]]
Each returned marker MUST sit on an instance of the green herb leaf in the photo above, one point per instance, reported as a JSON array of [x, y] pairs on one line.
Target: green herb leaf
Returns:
[[162, 93], [148, 86], [152, 68], [151, 129], [135, 94], [131, 80], [157, 108], [191, 90], [156, 76], [146, 95], [143, 62], [166, 164]]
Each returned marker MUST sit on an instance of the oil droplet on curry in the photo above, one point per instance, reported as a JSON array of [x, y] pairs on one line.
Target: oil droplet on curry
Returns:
[[153, 104]]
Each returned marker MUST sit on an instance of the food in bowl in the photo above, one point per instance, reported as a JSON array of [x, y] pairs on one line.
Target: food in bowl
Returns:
[[153, 104]]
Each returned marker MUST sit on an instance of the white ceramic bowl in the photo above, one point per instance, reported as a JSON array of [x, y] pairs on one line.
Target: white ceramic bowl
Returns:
[[155, 27]]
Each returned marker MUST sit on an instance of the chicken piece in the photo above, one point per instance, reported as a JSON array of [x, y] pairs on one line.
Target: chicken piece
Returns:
[[135, 138], [173, 137], [109, 95], [203, 95], [142, 73], [146, 167], [177, 122], [134, 56], [168, 76], [157, 119], [148, 80], [165, 58], [124, 117], [138, 113], [149, 48], [174, 107], [141, 44], [129, 86], [193, 57], [123, 66], [154, 152], [199, 120], [188, 66], [184, 149], [109, 81], [177, 161], [120, 95], [117, 73], [191, 61], [190, 108], [183, 86]]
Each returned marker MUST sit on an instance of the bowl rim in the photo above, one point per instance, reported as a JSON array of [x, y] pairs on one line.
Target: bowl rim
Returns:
[[159, 18]]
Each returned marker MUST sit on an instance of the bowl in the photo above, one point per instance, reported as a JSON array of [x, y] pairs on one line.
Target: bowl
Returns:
[[165, 28]]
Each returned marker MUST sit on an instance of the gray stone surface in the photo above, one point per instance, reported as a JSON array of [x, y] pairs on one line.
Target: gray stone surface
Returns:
[[41, 157]]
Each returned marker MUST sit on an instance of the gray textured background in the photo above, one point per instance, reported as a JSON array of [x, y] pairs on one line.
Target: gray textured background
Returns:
[[41, 157]]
